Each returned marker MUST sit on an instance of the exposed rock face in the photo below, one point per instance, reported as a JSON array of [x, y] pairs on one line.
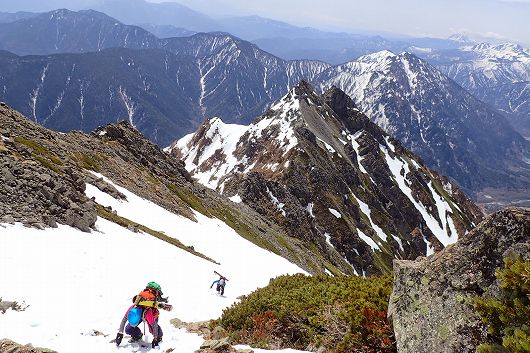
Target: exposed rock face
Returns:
[[37, 189], [431, 303], [316, 166]]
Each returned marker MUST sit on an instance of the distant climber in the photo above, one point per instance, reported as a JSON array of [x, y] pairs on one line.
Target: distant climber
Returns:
[[221, 282], [145, 308]]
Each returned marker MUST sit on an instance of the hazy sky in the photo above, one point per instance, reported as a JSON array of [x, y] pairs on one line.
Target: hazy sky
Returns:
[[503, 19]]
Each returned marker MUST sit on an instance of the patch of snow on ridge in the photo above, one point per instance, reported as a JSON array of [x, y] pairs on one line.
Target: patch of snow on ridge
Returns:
[[444, 213], [328, 239], [328, 147], [356, 147], [367, 240], [235, 198], [366, 210], [276, 202], [309, 209], [400, 243], [412, 76], [335, 212], [389, 144], [289, 110], [439, 231]]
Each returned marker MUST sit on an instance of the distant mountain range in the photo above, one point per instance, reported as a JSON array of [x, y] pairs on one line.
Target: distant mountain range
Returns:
[[6, 17], [165, 92], [453, 131], [170, 88], [320, 169], [127, 11], [65, 31], [166, 31], [497, 74]]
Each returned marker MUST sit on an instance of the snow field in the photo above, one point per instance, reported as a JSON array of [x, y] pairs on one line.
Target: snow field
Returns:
[[77, 283]]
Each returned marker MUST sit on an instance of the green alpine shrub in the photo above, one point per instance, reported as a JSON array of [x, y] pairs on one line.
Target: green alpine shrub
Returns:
[[341, 314], [508, 315]]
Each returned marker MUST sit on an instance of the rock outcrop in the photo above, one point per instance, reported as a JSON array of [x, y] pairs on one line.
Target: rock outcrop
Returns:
[[38, 189], [431, 305]]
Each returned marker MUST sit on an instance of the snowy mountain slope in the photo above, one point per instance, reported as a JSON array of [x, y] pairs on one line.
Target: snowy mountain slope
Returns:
[[106, 268], [451, 130], [486, 65], [319, 168]]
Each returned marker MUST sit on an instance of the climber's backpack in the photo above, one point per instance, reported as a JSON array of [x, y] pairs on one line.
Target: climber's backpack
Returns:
[[146, 298]]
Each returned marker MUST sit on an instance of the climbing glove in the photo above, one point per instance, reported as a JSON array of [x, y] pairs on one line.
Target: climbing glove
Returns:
[[156, 341], [119, 337]]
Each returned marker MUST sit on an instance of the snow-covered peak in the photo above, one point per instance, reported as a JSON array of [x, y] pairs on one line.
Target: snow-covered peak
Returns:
[[376, 57], [490, 65], [461, 38]]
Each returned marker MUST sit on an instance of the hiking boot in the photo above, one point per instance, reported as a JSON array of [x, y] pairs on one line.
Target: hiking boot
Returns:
[[135, 339]]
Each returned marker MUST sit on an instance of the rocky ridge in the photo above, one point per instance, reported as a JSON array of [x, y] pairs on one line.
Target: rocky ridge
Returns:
[[320, 169], [44, 175], [432, 302]]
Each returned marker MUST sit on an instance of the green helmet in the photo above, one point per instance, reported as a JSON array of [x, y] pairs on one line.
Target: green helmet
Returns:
[[155, 285]]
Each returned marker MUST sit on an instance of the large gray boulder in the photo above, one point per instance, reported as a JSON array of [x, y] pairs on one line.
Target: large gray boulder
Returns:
[[431, 306]]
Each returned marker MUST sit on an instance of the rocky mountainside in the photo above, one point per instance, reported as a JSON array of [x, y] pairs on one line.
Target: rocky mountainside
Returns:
[[454, 132], [497, 74], [431, 305], [65, 31], [44, 176], [320, 169]]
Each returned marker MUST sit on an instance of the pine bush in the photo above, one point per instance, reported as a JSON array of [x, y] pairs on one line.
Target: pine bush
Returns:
[[342, 314], [508, 315]]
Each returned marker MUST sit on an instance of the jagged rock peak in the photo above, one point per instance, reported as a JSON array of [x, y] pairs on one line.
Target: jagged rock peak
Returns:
[[304, 88], [340, 102], [318, 167]]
